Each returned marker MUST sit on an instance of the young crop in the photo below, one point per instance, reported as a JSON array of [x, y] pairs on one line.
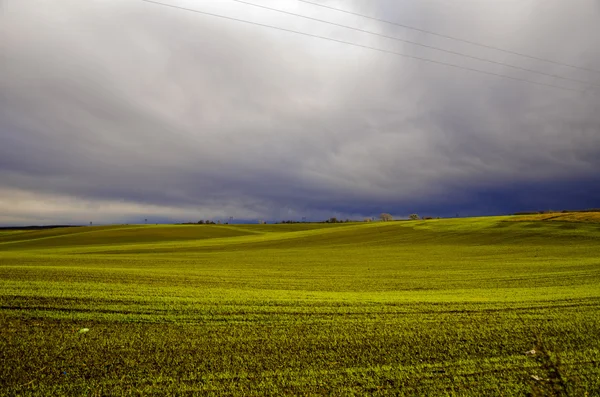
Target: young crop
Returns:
[[466, 307]]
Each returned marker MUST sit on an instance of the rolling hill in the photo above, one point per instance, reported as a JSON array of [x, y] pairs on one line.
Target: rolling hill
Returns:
[[437, 307]]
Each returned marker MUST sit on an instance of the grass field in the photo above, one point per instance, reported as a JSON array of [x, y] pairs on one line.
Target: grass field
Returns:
[[436, 308]]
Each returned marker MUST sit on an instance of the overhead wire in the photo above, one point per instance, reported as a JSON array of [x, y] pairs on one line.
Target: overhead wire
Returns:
[[490, 47], [428, 60], [419, 44]]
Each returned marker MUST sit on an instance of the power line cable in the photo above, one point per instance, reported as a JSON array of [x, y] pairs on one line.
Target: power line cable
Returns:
[[419, 44], [367, 47], [490, 47]]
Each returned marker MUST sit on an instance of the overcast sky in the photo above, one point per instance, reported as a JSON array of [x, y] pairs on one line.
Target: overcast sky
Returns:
[[121, 110]]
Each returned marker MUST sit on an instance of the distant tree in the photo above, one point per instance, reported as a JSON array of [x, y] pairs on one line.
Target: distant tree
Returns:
[[367, 219], [386, 217], [333, 220], [413, 217], [201, 222]]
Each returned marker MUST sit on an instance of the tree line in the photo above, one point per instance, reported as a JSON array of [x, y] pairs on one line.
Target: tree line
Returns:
[[383, 217]]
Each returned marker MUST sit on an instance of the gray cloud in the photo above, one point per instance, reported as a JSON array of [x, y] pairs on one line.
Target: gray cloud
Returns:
[[131, 108]]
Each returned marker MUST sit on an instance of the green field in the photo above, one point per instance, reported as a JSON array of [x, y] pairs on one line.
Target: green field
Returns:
[[433, 308]]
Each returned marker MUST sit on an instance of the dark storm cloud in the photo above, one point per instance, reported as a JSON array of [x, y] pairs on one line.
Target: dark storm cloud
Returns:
[[129, 108]]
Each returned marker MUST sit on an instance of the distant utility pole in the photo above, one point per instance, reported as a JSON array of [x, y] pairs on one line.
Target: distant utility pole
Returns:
[[303, 219], [230, 219], [146, 221], [90, 223]]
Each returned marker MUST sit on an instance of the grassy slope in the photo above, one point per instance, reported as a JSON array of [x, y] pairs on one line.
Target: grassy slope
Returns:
[[437, 307], [562, 217]]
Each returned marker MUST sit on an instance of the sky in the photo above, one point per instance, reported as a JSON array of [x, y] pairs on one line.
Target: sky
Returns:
[[117, 111]]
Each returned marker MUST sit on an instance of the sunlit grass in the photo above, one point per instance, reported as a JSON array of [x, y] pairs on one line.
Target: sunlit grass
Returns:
[[439, 307]]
